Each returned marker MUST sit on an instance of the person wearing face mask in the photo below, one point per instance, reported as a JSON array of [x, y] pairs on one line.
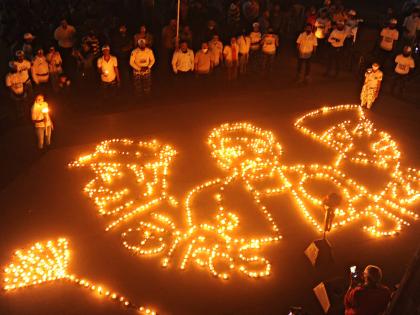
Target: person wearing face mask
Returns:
[[336, 43], [203, 62], [183, 60], [244, 45], [404, 65], [142, 60], [231, 56], [306, 46], [389, 37], [371, 86], [40, 69]]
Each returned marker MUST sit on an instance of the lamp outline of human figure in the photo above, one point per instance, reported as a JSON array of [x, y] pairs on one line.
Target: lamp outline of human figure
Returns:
[[250, 156]]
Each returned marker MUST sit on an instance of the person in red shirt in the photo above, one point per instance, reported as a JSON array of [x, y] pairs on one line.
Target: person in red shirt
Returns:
[[369, 298]]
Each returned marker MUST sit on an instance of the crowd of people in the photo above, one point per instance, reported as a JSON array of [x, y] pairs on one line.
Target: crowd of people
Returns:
[[82, 43]]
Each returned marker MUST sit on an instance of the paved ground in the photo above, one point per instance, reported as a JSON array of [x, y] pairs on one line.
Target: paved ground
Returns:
[[42, 198]]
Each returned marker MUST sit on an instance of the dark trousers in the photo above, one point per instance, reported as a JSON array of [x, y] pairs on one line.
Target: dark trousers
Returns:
[[398, 83], [383, 57], [268, 62], [304, 63], [334, 60]]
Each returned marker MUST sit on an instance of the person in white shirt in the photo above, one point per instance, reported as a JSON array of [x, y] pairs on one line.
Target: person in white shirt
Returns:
[[183, 60], [55, 67], [231, 57], [404, 65], [65, 36], [108, 69], [371, 86], [15, 83], [336, 41], [306, 46], [142, 60], [322, 31], [23, 67], [389, 37], [254, 49], [216, 50], [411, 27], [40, 69], [244, 44], [269, 44], [42, 121]]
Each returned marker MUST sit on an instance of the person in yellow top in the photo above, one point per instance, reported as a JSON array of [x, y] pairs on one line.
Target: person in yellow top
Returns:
[[42, 121], [371, 86]]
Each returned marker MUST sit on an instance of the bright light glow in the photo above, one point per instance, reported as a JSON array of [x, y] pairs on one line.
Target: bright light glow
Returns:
[[48, 261], [251, 157]]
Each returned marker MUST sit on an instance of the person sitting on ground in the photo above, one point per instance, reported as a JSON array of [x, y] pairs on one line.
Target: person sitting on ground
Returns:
[[368, 298]]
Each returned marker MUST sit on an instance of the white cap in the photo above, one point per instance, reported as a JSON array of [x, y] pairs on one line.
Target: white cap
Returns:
[[256, 24], [105, 47], [393, 21], [352, 12], [28, 36], [19, 53], [141, 41]]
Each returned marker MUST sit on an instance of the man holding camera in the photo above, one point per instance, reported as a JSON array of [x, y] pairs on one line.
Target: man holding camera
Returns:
[[367, 296]]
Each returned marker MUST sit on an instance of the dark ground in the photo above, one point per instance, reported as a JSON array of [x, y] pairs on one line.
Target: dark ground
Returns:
[[42, 199]]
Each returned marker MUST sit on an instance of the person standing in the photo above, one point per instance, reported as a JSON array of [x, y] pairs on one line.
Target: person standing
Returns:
[[42, 121], [23, 67], [254, 50], [369, 297], [269, 44], [27, 47], [108, 69], [322, 31], [183, 60], [244, 45], [351, 28], [336, 41], [389, 37], [306, 46], [40, 69], [122, 46], [65, 36], [15, 83], [142, 60], [55, 67], [404, 65], [216, 51], [231, 57], [203, 62], [411, 27], [371, 86]]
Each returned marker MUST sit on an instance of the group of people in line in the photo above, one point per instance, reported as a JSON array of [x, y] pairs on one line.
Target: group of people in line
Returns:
[[251, 45]]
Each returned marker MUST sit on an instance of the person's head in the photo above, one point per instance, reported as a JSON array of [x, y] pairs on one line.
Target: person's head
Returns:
[[142, 43], [233, 40], [20, 55], [211, 24], [266, 14], [39, 98], [375, 66], [308, 28], [407, 51], [183, 46], [389, 11], [256, 27], [123, 29], [40, 52], [415, 13], [372, 275], [270, 31], [352, 14], [172, 23], [204, 47], [106, 51], [51, 49], [64, 23], [215, 38], [85, 47], [393, 23], [186, 29], [323, 13], [143, 29], [340, 25], [312, 10], [28, 38]]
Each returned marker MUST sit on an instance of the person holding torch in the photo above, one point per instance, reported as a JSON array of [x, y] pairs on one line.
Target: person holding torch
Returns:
[[42, 121]]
